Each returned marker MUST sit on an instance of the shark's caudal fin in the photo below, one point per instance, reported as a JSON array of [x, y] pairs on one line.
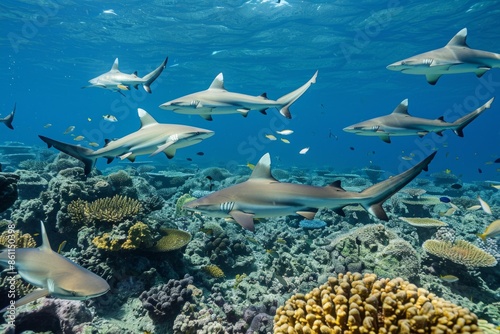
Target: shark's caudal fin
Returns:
[[377, 194], [287, 100], [153, 75], [9, 118], [462, 122], [81, 153]]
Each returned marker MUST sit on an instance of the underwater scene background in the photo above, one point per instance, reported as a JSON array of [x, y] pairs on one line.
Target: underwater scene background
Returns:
[[173, 271]]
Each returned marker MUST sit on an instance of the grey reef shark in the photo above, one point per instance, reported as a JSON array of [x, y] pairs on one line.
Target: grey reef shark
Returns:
[[263, 196], [454, 57], [52, 273], [7, 120], [117, 81], [217, 100], [151, 138], [401, 123]]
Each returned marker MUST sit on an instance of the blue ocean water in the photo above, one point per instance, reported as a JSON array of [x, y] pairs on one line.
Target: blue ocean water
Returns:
[[50, 49]]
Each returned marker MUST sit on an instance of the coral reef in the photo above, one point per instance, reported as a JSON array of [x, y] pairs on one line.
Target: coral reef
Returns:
[[139, 236], [165, 301], [312, 224], [8, 190], [356, 303], [110, 209], [214, 271], [20, 240], [461, 252], [179, 211], [172, 239], [423, 222]]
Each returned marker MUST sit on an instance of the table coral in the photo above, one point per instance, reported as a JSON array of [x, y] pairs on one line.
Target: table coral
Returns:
[[356, 303], [172, 239], [461, 252]]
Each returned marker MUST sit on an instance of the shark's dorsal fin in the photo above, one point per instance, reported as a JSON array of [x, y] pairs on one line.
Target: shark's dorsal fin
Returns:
[[402, 108], [460, 39], [45, 240], [114, 68], [263, 169], [218, 82], [146, 119], [336, 184], [135, 73], [264, 95]]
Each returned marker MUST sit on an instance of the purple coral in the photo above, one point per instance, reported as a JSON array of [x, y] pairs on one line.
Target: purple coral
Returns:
[[165, 301]]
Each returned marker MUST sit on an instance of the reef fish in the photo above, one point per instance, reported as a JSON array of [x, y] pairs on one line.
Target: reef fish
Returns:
[[263, 196], [449, 278], [53, 273], [485, 206], [110, 118], [492, 231], [454, 57], [217, 100], [151, 138], [285, 132], [115, 80]]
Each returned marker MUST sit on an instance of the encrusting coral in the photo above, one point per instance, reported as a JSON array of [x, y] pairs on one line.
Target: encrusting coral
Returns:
[[172, 239], [461, 252], [110, 209], [214, 271], [139, 236], [356, 303]]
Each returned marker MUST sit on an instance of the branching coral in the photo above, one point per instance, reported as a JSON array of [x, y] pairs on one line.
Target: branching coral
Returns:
[[17, 238], [110, 209], [461, 252], [356, 303]]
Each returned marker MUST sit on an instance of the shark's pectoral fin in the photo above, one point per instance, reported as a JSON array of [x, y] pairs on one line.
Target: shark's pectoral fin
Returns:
[[432, 78], [243, 111], [38, 293], [207, 117], [170, 152], [481, 70], [164, 148], [126, 155], [378, 211], [245, 220], [386, 138], [307, 213]]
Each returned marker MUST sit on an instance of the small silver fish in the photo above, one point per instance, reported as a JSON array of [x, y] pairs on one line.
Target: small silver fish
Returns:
[[484, 205], [69, 129], [110, 118], [285, 132]]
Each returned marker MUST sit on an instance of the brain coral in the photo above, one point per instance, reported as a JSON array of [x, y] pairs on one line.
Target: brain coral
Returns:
[[461, 252], [356, 303]]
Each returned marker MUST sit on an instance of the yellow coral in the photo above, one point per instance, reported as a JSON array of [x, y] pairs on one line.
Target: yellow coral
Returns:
[[423, 222], [356, 303], [461, 252], [17, 238], [76, 211], [214, 271], [172, 239], [138, 235], [110, 209]]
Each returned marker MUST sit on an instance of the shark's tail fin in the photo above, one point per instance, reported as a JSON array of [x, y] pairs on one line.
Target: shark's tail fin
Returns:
[[10, 117], [287, 100], [462, 122], [81, 153], [153, 75], [377, 194]]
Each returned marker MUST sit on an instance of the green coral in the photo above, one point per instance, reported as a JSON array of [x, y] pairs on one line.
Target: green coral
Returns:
[[179, 211], [172, 239]]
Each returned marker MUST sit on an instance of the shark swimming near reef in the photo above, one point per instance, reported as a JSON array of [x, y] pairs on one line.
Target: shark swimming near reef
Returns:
[[151, 138], [52, 273], [7, 120], [217, 100], [116, 81], [454, 57], [401, 123], [263, 196]]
